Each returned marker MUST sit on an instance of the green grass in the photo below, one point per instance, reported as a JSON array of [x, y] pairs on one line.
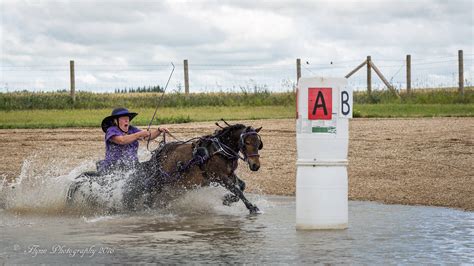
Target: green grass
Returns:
[[89, 100], [55, 109], [413, 110], [93, 118]]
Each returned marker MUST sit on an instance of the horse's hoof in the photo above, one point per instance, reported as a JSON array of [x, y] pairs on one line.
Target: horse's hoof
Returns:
[[255, 210]]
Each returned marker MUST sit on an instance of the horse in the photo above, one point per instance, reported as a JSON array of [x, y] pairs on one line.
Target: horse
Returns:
[[199, 162]]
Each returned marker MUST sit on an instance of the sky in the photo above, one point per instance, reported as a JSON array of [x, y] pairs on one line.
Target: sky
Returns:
[[230, 45]]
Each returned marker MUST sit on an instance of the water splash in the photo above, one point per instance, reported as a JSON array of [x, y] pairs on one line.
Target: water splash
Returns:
[[208, 200], [100, 194], [44, 180], [42, 188]]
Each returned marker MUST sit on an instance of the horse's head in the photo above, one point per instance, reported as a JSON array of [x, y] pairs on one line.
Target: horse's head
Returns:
[[242, 139], [249, 145]]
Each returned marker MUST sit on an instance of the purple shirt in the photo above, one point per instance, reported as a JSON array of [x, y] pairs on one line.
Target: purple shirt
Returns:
[[116, 154]]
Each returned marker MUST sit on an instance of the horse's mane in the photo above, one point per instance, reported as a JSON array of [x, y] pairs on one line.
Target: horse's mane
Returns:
[[225, 130]]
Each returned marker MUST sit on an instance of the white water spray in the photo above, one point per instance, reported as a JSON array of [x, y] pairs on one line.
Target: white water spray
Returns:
[[39, 187], [42, 188]]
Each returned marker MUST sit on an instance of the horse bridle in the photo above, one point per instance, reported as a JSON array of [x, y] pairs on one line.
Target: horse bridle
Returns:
[[232, 154], [242, 145]]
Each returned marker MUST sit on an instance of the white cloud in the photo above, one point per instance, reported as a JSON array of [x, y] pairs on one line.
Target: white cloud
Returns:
[[87, 79]]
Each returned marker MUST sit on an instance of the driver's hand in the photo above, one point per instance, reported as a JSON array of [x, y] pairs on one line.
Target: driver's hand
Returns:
[[144, 134]]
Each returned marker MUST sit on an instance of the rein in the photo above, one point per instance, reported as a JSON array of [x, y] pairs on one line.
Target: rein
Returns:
[[171, 135]]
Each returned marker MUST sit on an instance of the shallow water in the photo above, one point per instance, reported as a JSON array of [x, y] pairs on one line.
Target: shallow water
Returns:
[[214, 234], [37, 227]]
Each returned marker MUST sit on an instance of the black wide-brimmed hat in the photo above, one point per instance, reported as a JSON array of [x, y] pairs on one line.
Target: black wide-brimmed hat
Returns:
[[116, 113]]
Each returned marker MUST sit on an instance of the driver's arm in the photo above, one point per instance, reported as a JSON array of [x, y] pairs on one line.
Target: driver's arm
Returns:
[[127, 139]]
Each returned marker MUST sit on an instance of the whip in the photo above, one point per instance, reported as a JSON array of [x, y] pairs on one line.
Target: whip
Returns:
[[158, 104]]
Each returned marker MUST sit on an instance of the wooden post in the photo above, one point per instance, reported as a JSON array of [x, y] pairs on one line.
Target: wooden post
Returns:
[[186, 77], [461, 73], [355, 69], [298, 69], [389, 86], [298, 72], [72, 81], [408, 73], [369, 76]]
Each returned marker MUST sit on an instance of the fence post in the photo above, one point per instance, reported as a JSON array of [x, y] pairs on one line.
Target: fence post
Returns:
[[298, 72], [369, 76], [298, 69], [408, 73], [461, 72], [186, 78], [72, 81], [356, 69]]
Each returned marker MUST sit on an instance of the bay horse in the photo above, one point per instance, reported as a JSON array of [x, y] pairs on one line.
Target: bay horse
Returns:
[[194, 163]]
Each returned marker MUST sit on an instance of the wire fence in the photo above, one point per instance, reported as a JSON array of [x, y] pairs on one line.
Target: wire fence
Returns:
[[432, 72]]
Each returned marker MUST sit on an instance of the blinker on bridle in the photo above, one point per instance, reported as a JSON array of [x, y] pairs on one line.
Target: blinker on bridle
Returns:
[[242, 145]]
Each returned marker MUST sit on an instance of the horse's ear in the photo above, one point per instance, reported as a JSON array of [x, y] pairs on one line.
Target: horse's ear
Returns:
[[261, 142], [225, 122]]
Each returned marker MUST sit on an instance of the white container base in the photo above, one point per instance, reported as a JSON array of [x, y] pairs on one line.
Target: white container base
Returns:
[[321, 195]]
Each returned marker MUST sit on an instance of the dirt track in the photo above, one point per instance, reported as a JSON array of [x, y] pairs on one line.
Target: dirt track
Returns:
[[427, 161]]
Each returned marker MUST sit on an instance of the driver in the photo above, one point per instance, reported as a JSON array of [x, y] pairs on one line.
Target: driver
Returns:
[[121, 141]]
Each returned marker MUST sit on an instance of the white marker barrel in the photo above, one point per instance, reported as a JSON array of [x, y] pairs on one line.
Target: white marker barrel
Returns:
[[324, 106]]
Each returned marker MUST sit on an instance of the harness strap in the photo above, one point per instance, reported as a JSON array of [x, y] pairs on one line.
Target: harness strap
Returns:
[[171, 135], [197, 159]]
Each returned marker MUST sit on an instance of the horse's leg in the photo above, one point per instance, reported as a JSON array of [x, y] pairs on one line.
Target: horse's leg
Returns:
[[231, 198], [133, 190], [232, 187], [151, 190], [240, 183]]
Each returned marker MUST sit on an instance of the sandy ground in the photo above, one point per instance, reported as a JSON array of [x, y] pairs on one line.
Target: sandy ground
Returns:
[[426, 161]]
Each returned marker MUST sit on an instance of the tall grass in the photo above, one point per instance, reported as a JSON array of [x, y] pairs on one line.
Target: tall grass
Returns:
[[55, 109], [89, 100], [418, 96]]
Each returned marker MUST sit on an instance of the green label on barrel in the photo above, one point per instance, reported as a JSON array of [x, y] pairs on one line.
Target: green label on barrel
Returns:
[[331, 130]]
